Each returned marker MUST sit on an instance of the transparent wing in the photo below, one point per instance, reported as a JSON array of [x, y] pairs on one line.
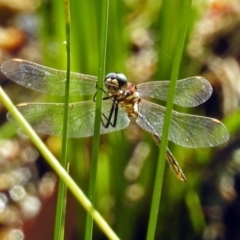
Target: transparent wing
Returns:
[[47, 80], [47, 118], [190, 92], [185, 130]]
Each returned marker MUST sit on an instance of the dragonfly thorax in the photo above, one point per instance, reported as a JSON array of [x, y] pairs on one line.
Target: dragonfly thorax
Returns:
[[123, 93]]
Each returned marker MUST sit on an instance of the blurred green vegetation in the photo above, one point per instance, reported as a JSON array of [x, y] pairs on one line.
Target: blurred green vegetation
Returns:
[[123, 196], [125, 203]]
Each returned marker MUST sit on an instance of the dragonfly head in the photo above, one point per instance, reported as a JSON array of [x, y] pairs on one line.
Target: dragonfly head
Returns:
[[115, 81]]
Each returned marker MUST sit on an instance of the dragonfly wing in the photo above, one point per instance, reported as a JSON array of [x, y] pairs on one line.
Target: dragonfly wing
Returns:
[[47, 118], [190, 92], [185, 130], [47, 80]]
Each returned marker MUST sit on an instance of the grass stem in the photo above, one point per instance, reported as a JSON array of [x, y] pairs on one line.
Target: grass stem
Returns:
[[167, 119], [59, 227], [97, 124]]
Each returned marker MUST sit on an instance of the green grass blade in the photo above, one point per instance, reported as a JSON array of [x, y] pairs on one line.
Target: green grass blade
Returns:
[[57, 167], [97, 124], [62, 189], [161, 162]]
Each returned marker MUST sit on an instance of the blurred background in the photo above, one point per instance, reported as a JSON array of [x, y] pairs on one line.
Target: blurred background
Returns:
[[142, 38]]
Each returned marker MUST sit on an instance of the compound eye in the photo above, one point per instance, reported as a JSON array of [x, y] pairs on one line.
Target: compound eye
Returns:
[[119, 77]]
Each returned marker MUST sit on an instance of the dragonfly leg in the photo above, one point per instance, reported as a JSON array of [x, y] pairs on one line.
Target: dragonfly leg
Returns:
[[105, 98], [114, 109], [113, 113]]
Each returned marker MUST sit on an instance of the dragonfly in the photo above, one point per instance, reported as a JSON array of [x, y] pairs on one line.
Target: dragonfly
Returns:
[[123, 101]]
